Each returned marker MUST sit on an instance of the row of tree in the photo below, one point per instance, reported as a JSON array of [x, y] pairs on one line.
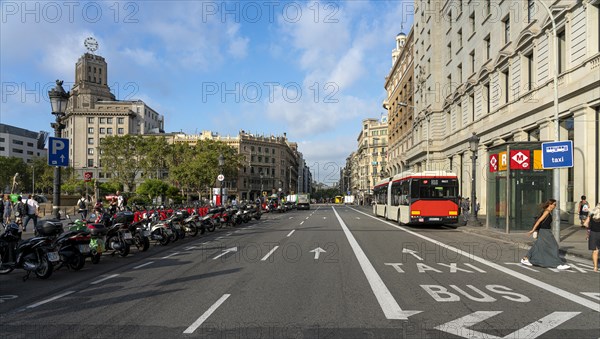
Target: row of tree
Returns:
[[160, 169]]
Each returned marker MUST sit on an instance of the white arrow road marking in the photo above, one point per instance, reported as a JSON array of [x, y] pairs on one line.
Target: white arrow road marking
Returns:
[[291, 217], [292, 232], [411, 252], [460, 326], [50, 299], [318, 252], [142, 265], [233, 249], [388, 304], [358, 218], [206, 314], [104, 279], [269, 254], [535, 282], [593, 295]]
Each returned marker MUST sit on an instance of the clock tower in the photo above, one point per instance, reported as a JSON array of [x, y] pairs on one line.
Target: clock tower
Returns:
[[91, 82]]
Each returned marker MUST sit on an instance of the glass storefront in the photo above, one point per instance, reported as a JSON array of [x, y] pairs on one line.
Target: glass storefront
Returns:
[[515, 188]]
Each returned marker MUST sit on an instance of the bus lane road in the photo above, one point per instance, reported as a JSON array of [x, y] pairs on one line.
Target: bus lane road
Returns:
[[466, 294]]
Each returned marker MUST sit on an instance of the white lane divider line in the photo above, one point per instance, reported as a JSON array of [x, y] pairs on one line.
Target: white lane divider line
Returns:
[[269, 254], [206, 314], [50, 299], [104, 279], [386, 300], [307, 217], [292, 232], [142, 265], [170, 255], [302, 222]]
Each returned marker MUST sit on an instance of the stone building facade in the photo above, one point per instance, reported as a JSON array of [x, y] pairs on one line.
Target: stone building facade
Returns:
[[486, 67], [94, 113]]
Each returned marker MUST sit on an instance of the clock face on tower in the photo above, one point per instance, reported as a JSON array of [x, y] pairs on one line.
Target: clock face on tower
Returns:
[[91, 44]]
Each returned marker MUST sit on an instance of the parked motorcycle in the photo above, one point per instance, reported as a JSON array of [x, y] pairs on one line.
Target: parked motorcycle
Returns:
[[33, 255]]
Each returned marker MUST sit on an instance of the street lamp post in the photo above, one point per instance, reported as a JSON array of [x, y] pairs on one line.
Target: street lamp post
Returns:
[[473, 145], [221, 164], [58, 100]]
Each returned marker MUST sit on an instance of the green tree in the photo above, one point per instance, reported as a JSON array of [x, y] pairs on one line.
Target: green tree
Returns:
[[123, 157], [153, 188]]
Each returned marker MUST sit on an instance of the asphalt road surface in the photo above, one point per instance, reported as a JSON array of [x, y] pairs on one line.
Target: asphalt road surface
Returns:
[[330, 272]]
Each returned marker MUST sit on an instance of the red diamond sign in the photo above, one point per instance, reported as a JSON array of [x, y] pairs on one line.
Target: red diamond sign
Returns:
[[494, 163], [520, 160]]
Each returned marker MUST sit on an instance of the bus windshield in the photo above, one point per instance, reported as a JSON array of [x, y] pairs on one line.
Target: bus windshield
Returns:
[[434, 188]]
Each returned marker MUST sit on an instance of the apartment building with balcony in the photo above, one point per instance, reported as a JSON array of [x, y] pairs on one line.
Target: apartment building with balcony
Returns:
[[368, 163]]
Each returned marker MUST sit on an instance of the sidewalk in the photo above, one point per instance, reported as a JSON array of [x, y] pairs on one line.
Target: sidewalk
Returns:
[[572, 238]]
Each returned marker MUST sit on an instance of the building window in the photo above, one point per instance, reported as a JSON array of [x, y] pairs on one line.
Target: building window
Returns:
[[29, 152], [562, 52], [449, 50], [505, 78], [90, 120], [486, 97], [120, 121], [507, 30], [90, 162], [2, 139], [102, 130], [90, 141], [472, 22], [16, 150], [487, 7], [109, 131], [459, 70], [472, 60], [460, 39], [120, 131], [90, 130], [109, 120], [530, 10], [529, 72], [90, 151], [102, 120], [17, 142], [472, 103], [30, 144], [2, 149], [488, 47]]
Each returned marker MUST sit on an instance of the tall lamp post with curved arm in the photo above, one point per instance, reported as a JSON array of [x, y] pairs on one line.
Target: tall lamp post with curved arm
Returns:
[[58, 100]]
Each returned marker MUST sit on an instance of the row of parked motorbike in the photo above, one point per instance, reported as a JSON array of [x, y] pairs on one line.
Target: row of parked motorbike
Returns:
[[109, 233]]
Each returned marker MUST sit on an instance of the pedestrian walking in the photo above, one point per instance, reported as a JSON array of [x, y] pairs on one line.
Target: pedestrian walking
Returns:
[[544, 252], [82, 206], [465, 206], [20, 211], [584, 208], [592, 222], [31, 210], [7, 209], [120, 201]]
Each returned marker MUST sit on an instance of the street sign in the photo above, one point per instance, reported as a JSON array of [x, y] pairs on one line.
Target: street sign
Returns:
[[87, 176], [520, 160], [221, 177], [58, 152], [494, 163], [557, 154]]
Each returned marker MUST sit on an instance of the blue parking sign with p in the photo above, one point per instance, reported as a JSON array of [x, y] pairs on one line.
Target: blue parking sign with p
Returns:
[[58, 152]]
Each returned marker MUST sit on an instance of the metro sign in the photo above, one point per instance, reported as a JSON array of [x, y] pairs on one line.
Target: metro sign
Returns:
[[493, 163], [520, 160]]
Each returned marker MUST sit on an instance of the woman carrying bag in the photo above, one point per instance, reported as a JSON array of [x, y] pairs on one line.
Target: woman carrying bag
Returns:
[[593, 224], [544, 252]]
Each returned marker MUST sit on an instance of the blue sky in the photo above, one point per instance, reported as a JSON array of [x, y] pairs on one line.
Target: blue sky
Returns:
[[313, 70]]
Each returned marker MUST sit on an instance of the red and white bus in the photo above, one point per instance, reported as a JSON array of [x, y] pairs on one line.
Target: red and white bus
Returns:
[[429, 197]]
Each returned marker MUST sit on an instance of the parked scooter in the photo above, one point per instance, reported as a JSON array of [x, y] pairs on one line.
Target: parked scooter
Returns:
[[33, 255]]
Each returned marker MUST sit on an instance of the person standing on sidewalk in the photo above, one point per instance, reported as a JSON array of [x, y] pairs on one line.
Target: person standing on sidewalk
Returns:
[[593, 224], [584, 208], [7, 209], [465, 206], [32, 209], [544, 252], [82, 206]]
